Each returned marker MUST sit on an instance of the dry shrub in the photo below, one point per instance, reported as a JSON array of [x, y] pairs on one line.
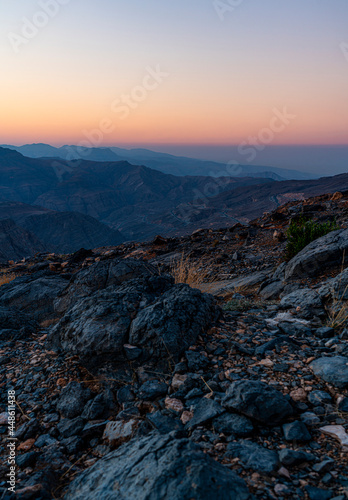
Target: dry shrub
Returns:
[[7, 278], [49, 322], [190, 272]]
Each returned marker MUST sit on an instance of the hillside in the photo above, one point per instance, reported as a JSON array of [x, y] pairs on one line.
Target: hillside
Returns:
[[62, 232]]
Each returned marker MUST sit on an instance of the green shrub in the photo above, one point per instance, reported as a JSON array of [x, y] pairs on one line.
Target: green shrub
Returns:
[[302, 232]]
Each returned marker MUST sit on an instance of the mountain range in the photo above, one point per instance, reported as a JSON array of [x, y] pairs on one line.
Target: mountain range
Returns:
[[166, 163], [64, 205]]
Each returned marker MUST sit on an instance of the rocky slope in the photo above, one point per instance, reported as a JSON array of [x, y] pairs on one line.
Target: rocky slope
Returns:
[[130, 384]]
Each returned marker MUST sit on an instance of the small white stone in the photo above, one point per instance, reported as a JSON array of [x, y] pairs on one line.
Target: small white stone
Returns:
[[338, 432]]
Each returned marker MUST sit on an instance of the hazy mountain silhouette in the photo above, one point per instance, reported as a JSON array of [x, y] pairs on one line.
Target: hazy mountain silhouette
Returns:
[[166, 163]]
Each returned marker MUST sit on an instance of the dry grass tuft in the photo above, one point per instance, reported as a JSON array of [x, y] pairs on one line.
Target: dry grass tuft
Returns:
[[189, 272], [7, 278]]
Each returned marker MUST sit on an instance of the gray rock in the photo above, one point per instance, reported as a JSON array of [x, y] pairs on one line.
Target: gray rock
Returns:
[[324, 252], [315, 493], [324, 332], [173, 323], [16, 325], [73, 399], [99, 407], [196, 360], [237, 425], [163, 423], [158, 468], [68, 428], [153, 389], [44, 440], [296, 431], [259, 401], [254, 456], [272, 291], [324, 466], [279, 273], [28, 430], [33, 294], [150, 313], [291, 457], [343, 405], [27, 459], [101, 275], [302, 298], [317, 398], [206, 410], [333, 370]]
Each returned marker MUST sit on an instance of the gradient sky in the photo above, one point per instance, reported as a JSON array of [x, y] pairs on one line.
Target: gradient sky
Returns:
[[225, 77]]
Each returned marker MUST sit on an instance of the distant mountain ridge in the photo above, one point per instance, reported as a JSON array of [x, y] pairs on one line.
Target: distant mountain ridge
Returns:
[[137, 201], [163, 162]]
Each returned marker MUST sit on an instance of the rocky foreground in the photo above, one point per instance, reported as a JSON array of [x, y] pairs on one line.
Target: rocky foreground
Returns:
[[132, 385]]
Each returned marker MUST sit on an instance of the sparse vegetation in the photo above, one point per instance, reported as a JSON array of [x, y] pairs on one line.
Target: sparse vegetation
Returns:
[[7, 278], [302, 232], [193, 273], [246, 304]]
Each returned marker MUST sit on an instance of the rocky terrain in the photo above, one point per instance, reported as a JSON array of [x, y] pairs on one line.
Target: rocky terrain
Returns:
[[132, 384]]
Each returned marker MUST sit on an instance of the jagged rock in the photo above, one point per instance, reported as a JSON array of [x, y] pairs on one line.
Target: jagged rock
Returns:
[[28, 430], [15, 325], [305, 298], [317, 398], [324, 252], [234, 424], [254, 456], [119, 432], [99, 407], [296, 431], [163, 423], [206, 410], [33, 294], [294, 457], [153, 389], [97, 327], [333, 370], [173, 323], [73, 399], [272, 290], [157, 468], [257, 400], [68, 428], [101, 275], [315, 493], [338, 432]]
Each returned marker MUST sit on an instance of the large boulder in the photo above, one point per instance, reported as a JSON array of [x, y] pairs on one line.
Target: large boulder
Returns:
[[324, 252], [34, 294], [147, 312], [301, 298], [173, 322], [158, 467], [257, 400], [333, 370], [101, 275], [15, 325]]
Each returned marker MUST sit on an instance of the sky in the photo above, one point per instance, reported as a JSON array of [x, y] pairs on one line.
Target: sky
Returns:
[[184, 72]]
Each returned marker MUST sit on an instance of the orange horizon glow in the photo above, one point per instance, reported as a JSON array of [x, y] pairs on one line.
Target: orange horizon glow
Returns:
[[222, 82]]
